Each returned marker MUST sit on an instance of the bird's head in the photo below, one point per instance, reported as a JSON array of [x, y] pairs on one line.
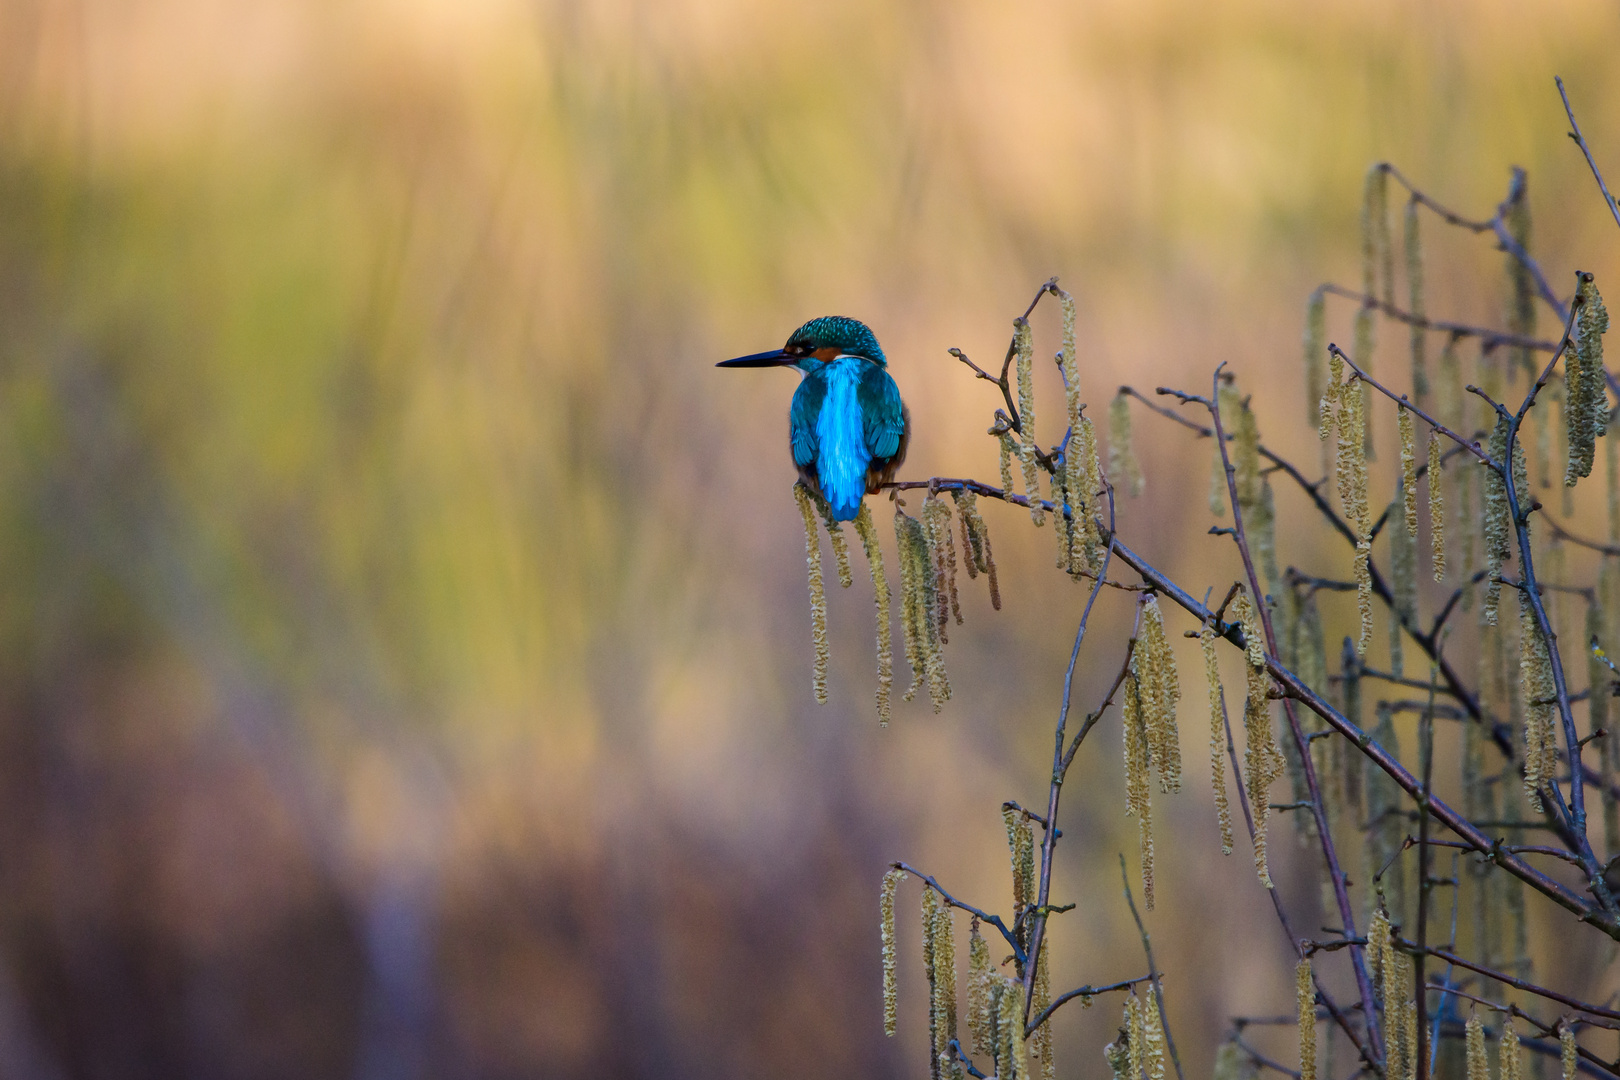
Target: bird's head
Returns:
[[817, 342]]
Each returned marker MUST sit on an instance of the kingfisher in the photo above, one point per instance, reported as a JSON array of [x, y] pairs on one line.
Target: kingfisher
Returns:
[[847, 425]]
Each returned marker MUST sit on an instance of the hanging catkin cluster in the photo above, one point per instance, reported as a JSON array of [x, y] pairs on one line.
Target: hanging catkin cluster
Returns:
[[891, 881], [1403, 570], [1378, 943], [1377, 262], [818, 595], [1377, 247], [1008, 451], [1315, 356], [981, 1015], [1413, 247], [939, 958], [1498, 517], [1024, 348], [1040, 1001], [1253, 490], [1118, 1056], [1559, 424], [936, 519], [1082, 476], [1586, 414], [1021, 849], [1350, 470], [1217, 736], [880, 588], [1070, 360], [1437, 507], [1244, 434], [1073, 479], [1409, 475], [1138, 797], [1304, 651], [1330, 396], [1217, 483], [1508, 1065], [1153, 667], [1135, 1036], [1144, 1037], [1013, 1062], [1305, 995], [920, 615], [1538, 691], [1064, 515], [976, 555], [1122, 464], [1394, 970], [930, 912], [1479, 1067], [1263, 762], [1153, 1037]]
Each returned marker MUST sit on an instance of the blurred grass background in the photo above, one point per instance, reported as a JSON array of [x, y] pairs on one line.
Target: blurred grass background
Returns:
[[403, 653]]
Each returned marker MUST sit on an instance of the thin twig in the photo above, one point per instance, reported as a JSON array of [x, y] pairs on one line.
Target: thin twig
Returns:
[[984, 916], [1564, 534], [1097, 714], [1261, 1059], [1512, 980], [1490, 338], [1451, 217], [1416, 410], [955, 1048], [1083, 992], [1037, 933], [1575, 133]]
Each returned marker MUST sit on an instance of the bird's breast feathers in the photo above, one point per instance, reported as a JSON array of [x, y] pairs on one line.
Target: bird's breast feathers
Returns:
[[842, 454], [847, 425]]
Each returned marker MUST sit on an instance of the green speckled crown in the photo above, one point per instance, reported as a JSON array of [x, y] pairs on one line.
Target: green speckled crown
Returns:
[[845, 334]]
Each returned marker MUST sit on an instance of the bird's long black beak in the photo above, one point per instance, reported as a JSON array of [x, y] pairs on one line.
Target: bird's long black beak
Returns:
[[774, 358]]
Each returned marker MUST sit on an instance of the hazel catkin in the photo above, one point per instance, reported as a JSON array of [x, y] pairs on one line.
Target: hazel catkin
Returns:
[[880, 588], [891, 881], [1217, 725], [818, 595]]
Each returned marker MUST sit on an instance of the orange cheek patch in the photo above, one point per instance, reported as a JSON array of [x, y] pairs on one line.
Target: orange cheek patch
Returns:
[[827, 354]]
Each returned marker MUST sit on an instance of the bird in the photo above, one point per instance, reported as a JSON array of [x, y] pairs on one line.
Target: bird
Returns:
[[847, 425]]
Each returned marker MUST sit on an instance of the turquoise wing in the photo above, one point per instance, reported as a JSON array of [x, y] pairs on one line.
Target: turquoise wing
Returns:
[[882, 412], [802, 419]]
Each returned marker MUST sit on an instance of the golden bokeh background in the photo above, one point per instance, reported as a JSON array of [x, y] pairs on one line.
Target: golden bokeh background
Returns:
[[403, 648]]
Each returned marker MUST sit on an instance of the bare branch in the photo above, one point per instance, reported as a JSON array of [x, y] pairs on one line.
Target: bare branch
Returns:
[[984, 916], [1575, 133], [1489, 338], [1510, 980], [1083, 992]]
